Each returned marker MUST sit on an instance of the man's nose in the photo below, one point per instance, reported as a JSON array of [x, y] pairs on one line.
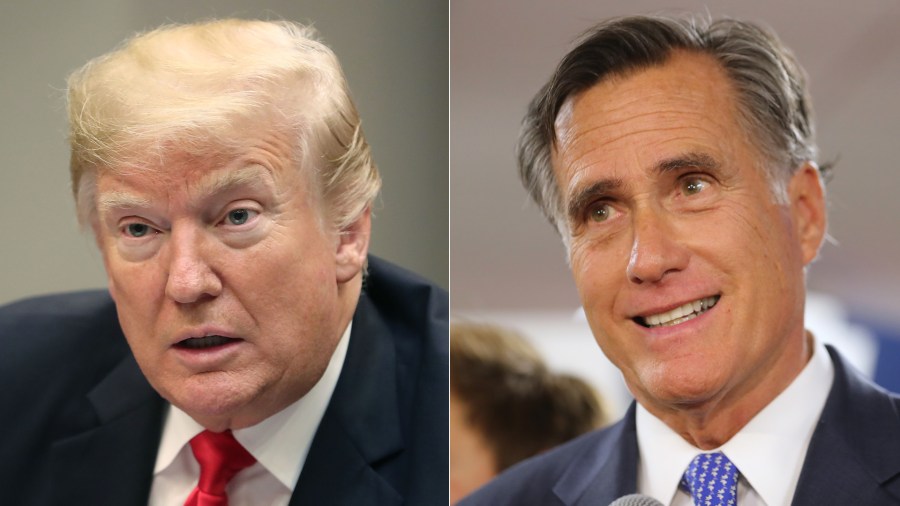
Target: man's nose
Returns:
[[656, 251], [190, 277]]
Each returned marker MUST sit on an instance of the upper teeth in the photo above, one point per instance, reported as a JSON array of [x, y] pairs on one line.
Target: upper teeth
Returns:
[[682, 313]]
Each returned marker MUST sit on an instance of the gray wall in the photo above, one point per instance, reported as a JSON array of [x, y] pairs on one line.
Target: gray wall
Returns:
[[394, 55]]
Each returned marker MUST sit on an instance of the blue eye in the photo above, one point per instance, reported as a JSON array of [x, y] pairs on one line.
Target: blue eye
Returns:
[[238, 216], [137, 229]]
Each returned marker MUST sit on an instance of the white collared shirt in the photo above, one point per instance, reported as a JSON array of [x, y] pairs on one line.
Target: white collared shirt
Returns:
[[769, 451], [279, 443]]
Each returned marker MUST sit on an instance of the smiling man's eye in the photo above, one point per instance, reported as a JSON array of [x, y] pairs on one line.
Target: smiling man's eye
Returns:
[[137, 229], [599, 213], [693, 186]]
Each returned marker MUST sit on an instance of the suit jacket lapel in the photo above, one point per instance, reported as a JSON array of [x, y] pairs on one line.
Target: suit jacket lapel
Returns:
[[592, 480], [109, 455], [361, 426], [854, 454], [853, 458]]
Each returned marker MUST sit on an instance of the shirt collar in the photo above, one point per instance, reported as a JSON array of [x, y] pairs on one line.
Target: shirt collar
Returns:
[[780, 433], [279, 443]]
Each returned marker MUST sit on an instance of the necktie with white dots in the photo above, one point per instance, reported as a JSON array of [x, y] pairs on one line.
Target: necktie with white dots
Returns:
[[712, 480]]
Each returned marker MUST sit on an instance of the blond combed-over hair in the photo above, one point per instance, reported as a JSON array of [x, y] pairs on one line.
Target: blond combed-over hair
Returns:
[[197, 89]]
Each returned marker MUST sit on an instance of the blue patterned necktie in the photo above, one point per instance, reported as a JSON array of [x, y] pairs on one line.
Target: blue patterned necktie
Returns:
[[712, 480]]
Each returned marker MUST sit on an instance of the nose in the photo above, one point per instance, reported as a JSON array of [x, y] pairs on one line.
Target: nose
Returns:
[[190, 278], [656, 250]]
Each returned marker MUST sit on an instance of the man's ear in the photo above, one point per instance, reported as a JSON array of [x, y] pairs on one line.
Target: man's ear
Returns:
[[807, 197], [353, 246]]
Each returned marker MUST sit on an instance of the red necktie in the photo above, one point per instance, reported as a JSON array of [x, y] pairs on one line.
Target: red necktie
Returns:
[[220, 457]]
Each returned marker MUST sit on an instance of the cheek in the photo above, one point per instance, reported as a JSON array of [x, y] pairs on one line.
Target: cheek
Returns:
[[291, 293], [759, 257], [290, 259], [599, 269], [761, 241], [137, 288]]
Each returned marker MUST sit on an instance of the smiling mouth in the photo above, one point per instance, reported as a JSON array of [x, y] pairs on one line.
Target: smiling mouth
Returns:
[[678, 315], [199, 343]]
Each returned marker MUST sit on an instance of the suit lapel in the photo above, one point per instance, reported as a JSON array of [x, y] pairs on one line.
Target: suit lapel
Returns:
[[360, 430], [108, 458], [853, 457], [854, 454], [590, 480]]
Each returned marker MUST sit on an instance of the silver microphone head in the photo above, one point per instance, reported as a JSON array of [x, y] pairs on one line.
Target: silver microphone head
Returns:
[[635, 500]]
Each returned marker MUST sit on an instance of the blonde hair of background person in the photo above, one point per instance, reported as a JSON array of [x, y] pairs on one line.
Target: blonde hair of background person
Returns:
[[507, 405]]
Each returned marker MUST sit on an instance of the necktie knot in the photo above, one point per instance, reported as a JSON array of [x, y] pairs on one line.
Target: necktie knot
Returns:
[[712, 480], [220, 457]]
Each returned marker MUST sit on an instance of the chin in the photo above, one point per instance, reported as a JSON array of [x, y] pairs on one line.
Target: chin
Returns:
[[212, 396], [677, 388]]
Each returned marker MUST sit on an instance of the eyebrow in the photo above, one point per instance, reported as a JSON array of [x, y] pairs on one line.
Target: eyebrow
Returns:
[[213, 184], [108, 201], [222, 182], [693, 159], [606, 188]]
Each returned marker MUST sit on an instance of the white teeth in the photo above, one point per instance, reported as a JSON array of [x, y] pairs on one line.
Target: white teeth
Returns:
[[682, 313]]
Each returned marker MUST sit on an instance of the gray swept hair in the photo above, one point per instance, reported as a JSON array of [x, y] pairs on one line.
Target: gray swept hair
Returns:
[[196, 89], [774, 105]]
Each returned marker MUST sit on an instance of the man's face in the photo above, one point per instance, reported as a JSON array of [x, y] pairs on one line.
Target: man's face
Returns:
[[691, 275], [231, 293]]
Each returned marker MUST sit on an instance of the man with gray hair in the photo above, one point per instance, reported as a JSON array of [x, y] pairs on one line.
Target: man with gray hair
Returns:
[[676, 159], [248, 351]]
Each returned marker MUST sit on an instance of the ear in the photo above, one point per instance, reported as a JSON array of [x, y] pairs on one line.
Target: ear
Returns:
[[353, 246], [807, 198]]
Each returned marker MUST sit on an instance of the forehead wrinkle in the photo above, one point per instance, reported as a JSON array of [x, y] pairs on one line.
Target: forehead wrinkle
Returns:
[[648, 130], [577, 165], [657, 124], [614, 118], [571, 132]]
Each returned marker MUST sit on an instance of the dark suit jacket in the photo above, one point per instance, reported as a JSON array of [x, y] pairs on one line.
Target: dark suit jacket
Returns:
[[81, 425], [853, 457]]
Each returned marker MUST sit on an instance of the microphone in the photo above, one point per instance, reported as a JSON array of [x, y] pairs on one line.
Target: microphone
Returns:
[[635, 500]]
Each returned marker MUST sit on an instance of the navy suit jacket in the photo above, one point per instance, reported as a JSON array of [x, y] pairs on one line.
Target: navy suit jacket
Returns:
[[81, 425], [853, 457]]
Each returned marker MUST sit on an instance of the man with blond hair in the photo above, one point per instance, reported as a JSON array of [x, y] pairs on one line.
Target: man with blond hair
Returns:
[[223, 172]]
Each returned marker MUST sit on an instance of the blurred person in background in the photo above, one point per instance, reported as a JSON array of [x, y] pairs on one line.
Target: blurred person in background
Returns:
[[506, 405], [676, 158]]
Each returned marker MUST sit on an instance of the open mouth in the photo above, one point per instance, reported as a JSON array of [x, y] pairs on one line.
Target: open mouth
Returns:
[[199, 343], [678, 315]]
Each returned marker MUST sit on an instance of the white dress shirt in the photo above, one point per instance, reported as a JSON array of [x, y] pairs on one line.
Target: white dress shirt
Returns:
[[279, 443], [768, 452]]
